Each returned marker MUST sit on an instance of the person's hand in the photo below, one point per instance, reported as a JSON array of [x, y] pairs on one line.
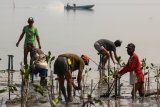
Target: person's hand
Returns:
[[114, 62], [39, 46], [17, 44], [119, 59], [116, 75], [77, 87]]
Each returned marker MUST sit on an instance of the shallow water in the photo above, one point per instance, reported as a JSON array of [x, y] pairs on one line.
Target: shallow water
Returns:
[[92, 75], [63, 31]]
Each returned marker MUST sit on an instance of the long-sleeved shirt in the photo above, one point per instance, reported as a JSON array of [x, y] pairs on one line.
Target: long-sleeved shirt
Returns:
[[133, 65]]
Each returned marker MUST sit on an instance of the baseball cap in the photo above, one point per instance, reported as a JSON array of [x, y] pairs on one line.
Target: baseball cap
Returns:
[[131, 45], [30, 19]]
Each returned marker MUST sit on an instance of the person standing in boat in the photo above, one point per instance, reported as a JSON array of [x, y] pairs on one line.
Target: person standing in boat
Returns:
[[74, 5], [106, 47], [31, 35], [64, 65], [134, 65]]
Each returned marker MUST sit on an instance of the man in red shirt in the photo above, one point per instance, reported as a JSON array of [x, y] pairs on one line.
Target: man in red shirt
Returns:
[[134, 65]]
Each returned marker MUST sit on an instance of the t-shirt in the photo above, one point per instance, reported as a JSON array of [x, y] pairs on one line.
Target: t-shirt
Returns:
[[31, 34], [107, 44], [77, 62], [38, 54], [133, 65]]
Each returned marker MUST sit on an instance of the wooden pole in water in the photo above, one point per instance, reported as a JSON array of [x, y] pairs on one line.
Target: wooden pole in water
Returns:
[[148, 82], [9, 76], [22, 87], [90, 97], [115, 85], [108, 73], [10, 67], [100, 68], [118, 82], [82, 92], [157, 85], [1, 102], [91, 87], [134, 94]]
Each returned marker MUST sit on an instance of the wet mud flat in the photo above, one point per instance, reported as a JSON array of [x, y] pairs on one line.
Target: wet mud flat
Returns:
[[88, 97]]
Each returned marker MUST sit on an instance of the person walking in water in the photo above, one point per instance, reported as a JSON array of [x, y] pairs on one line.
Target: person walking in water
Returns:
[[134, 65], [64, 65], [107, 48], [31, 35]]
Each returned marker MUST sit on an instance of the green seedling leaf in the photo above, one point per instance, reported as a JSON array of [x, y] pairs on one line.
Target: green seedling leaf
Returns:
[[86, 71], [14, 88], [98, 101], [147, 67], [52, 58], [123, 64], [3, 90], [55, 101], [111, 71], [38, 88], [11, 89], [91, 102], [152, 64], [49, 53], [35, 85], [145, 73]]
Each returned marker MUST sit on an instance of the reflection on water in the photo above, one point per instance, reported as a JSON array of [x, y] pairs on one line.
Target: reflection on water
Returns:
[[78, 30], [134, 21], [79, 11]]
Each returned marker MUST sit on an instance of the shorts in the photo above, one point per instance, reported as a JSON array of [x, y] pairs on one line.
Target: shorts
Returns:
[[42, 72], [140, 78], [61, 66], [98, 47]]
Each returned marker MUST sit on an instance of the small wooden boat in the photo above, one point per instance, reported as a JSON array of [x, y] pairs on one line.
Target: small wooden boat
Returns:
[[78, 7]]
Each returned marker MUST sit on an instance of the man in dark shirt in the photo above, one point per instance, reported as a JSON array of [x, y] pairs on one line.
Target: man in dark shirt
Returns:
[[64, 65], [106, 47]]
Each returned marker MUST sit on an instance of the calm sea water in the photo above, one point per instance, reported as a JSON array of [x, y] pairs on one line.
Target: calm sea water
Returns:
[[63, 31]]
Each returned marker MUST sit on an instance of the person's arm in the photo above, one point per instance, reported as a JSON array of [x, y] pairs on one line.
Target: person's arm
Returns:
[[38, 40], [37, 37], [20, 38], [79, 78], [110, 52], [115, 55], [131, 66]]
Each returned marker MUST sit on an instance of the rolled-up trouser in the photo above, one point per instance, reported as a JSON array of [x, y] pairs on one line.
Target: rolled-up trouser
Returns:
[[139, 86], [98, 47]]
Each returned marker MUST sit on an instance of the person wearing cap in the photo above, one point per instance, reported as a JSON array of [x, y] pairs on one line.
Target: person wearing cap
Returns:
[[134, 65], [31, 35], [64, 65], [107, 48]]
